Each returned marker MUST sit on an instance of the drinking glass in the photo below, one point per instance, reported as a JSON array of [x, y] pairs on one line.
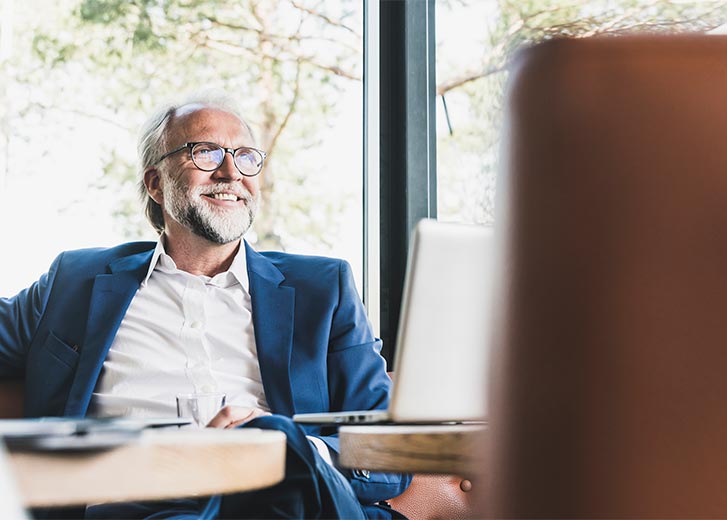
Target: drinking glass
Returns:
[[201, 408]]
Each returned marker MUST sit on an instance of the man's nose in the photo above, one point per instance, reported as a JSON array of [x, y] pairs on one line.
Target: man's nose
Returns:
[[227, 169]]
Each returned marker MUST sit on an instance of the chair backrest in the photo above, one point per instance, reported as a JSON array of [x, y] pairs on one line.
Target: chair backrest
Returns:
[[611, 365]]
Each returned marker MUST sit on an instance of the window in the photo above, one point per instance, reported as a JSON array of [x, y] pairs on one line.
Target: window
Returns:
[[80, 76], [450, 174], [475, 41]]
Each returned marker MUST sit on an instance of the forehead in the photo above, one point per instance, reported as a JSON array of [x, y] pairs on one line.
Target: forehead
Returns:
[[199, 123]]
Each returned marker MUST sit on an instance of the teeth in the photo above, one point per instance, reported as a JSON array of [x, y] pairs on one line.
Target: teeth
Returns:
[[224, 196]]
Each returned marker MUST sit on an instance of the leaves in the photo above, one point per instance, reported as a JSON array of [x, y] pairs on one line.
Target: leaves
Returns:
[[104, 11], [291, 64], [117, 59], [467, 159], [52, 51]]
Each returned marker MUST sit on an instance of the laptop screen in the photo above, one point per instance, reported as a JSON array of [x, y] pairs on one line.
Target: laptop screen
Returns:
[[444, 330]]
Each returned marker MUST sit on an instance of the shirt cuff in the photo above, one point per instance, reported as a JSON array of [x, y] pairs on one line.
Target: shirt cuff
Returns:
[[322, 448]]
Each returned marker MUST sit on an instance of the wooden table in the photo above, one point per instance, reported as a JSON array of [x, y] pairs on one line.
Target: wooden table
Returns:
[[451, 449], [165, 463]]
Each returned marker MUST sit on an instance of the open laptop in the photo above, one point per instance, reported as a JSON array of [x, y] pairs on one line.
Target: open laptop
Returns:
[[444, 331]]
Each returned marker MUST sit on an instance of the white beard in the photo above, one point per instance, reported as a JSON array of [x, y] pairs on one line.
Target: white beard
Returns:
[[218, 225]]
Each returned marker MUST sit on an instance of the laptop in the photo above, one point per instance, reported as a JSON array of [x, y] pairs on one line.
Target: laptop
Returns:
[[71, 434], [444, 331]]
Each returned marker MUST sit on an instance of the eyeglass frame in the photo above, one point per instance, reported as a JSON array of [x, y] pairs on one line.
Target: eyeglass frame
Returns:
[[232, 151]]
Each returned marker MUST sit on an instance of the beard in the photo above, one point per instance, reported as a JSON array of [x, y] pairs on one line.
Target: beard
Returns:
[[216, 224]]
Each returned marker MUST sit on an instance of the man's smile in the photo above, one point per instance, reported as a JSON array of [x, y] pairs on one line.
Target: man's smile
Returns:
[[223, 196]]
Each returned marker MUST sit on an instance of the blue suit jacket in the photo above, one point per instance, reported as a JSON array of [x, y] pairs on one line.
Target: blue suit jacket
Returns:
[[315, 346]]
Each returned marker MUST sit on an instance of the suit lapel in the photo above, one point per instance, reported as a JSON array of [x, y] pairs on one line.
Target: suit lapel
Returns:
[[110, 297], [273, 307]]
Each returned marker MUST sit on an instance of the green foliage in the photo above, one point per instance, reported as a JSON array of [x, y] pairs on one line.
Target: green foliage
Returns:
[[52, 51], [467, 159], [104, 11], [286, 61], [289, 61]]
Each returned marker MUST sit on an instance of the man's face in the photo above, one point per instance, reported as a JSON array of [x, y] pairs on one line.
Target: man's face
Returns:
[[221, 205]]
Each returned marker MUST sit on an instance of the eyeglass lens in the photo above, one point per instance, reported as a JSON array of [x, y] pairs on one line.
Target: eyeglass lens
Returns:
[[209, 157]]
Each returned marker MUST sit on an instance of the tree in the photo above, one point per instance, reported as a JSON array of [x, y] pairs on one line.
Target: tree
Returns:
[[468, 150], [290, 62], [287, 61]]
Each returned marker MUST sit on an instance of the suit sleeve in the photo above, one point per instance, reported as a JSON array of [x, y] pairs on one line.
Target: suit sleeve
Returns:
[[357, 380], [19, 319]]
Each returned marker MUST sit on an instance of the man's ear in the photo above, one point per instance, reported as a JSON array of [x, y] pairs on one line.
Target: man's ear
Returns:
[[153, 183]]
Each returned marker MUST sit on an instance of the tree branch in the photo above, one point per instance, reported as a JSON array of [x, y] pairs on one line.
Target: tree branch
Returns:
[[283, 37], [323, 17], [525, 18], [291, 109], [107, 120], [334, 69], [463, 80], [236, 50], [237, 27], [613, 22]]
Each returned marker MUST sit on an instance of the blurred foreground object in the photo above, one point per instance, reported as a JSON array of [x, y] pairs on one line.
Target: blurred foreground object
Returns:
[[611, 390]]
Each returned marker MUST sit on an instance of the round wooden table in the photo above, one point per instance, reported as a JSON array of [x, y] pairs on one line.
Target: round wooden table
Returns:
[[160, 464], [451, 449]]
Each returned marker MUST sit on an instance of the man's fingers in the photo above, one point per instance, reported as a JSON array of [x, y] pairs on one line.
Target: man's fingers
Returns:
[[233, 416], [227, 415], [256, 412]]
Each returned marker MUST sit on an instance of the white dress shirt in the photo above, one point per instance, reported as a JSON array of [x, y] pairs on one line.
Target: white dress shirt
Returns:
[[182, 333]]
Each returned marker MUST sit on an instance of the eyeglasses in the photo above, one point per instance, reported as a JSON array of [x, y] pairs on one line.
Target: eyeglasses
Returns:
[[209, 156]]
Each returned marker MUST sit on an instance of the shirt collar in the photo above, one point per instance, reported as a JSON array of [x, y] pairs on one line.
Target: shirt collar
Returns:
[[161, 261]]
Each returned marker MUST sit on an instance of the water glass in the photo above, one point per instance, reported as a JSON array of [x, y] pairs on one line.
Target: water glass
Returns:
[[201, 408]]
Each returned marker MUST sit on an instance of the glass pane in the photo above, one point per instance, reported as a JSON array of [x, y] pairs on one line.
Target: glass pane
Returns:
[[80, 76], [475, 41]]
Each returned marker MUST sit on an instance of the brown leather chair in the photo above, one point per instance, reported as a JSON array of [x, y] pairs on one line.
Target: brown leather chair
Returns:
[[611, 379], [430, 497]]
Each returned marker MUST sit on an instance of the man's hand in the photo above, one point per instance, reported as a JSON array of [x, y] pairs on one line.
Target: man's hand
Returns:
[[234, 416]]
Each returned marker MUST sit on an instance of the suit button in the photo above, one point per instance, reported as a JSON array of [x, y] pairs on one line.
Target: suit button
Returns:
[[362, 473]]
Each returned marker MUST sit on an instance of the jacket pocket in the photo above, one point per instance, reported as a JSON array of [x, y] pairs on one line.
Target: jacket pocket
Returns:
[[62, 351], [49, 373]]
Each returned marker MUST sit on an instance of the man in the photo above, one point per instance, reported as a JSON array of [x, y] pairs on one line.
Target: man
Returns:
[[121, 331]]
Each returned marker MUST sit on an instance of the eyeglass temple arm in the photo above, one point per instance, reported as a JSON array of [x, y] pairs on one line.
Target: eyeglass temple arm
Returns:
[[185, 145]]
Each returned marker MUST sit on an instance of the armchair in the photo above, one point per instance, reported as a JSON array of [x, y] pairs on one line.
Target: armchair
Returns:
[[611, 359]]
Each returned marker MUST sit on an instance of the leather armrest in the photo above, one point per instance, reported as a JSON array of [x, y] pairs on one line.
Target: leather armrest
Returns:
[[435, 496]]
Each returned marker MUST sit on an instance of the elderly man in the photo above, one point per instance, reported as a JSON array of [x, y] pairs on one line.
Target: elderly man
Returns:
[[121, 331]]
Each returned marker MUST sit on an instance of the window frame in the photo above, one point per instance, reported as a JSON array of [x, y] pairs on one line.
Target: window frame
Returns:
[[405, 89]]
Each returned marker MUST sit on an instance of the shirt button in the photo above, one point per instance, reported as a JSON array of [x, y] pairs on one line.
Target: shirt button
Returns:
[[196, 325], [207, 389]]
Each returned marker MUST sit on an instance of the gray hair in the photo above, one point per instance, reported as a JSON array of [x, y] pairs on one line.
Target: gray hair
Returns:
[[153, 141]]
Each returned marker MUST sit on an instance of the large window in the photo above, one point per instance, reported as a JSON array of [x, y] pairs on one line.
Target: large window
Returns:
[[447, 61], [475, 41], [80, 76]]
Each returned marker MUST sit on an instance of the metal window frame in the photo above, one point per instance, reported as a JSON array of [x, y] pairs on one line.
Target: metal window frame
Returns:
[[371, 188], [406, 151]]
